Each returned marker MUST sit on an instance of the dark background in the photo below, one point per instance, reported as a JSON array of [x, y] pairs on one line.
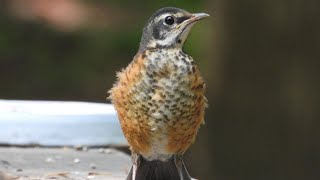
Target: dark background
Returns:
[[260, 60]]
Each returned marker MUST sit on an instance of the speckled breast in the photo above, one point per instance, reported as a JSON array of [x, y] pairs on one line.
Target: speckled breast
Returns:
[[160, 101]]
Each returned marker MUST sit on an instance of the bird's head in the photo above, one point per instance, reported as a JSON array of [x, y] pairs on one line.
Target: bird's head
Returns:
[[168, 28]]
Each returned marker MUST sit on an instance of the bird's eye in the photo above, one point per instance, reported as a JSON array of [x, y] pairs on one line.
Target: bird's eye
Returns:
[[169, 20]]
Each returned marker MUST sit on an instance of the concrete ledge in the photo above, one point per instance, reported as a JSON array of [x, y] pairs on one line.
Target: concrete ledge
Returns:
[[63, 163]]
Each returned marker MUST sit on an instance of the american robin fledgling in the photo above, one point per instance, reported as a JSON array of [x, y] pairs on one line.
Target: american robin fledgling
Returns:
[[160, 99]]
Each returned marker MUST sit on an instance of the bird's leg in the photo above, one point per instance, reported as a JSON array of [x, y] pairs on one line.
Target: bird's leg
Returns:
[[133, 171], [136, 162], [183, 173]]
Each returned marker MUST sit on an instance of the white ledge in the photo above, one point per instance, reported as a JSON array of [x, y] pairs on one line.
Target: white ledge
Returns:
[[55, 107], [59, 123]]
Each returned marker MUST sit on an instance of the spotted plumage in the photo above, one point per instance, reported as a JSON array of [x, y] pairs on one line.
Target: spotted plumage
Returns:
[[159, 97]]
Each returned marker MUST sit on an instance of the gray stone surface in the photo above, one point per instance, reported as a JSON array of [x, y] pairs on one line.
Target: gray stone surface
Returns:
[[62, 163]]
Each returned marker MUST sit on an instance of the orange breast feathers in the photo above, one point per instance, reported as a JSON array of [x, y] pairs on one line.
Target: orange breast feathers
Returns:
[[133, 117], [182, 134], [156, 117]]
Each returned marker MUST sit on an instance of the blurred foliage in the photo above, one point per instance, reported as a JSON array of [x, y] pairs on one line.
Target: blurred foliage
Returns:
[[42, 62], [260, 60]]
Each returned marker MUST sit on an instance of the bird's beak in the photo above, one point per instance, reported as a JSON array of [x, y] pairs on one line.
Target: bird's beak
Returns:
[[193, 18], [198, 16]]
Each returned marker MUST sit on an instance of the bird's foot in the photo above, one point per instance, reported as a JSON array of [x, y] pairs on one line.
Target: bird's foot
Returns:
[[183, 173]]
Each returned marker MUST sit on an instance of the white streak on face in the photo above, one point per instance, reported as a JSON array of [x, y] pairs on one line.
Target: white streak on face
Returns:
[[172, 37], [185, 33], [168, 40], [152, 44]]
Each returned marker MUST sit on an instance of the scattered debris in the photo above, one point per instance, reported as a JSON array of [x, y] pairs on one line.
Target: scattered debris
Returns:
[[76, 160], [50, 160], [76, 172], [78, 147], [60, 174], [93, 166], [108, 151], [90, 177], [5, 163]]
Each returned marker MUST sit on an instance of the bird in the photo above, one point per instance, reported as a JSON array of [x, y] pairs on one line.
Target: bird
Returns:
[[159, 97]]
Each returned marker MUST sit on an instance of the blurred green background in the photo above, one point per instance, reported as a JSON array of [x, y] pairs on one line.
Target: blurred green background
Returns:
[[260, 60]]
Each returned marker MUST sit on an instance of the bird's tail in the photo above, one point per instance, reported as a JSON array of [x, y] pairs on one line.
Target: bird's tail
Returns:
[[173, 169]]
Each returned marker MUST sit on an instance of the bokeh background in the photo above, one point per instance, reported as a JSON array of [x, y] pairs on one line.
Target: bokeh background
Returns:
[[260, 60]]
